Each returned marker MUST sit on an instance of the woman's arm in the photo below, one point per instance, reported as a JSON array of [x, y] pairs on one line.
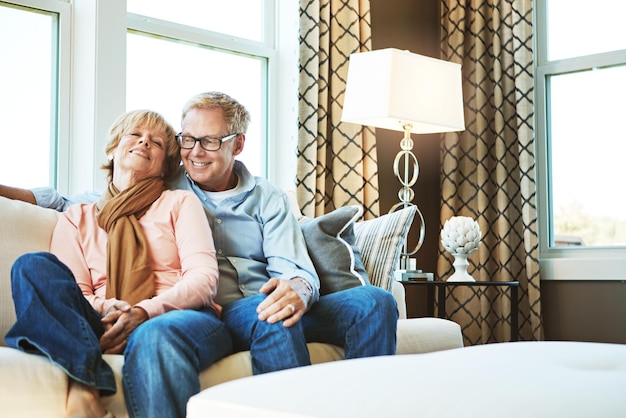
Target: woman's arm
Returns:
[[81, 245]]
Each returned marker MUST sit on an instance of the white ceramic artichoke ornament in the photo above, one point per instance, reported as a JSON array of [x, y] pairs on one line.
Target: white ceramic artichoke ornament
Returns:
[[461, 236]]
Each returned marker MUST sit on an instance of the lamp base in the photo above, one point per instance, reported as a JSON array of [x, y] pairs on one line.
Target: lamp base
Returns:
[[407, 178]]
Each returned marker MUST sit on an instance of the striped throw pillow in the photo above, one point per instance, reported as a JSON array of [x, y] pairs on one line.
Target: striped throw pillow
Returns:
[[380, 242]]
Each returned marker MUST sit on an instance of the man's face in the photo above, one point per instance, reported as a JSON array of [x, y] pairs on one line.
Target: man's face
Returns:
[[212, 170]]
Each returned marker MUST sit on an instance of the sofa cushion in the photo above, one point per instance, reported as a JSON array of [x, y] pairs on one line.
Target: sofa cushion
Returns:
[[347, 253], [24, 228], [380, 241], [330, 241]]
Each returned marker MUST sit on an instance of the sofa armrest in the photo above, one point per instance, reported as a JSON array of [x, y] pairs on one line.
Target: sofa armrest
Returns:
[[398, 292], [424, 335], [24, 228]]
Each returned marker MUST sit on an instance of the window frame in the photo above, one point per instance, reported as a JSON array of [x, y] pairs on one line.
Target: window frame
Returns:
[[565, 263], [61, 80]]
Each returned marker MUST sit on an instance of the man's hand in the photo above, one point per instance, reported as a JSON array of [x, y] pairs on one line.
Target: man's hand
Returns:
[[119, 322], [283, 302]]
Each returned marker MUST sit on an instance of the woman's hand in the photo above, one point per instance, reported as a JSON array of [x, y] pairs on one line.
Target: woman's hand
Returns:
[[118, 325]]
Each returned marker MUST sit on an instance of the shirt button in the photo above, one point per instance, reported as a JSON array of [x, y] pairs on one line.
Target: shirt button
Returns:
[[219, 221], [219, 252], [243, 287]]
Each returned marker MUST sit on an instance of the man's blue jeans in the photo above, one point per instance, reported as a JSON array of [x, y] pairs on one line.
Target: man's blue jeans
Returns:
[[363, 320], [162, 359]]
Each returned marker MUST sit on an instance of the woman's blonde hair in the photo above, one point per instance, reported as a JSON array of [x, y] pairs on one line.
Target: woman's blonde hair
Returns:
[[144, 118]]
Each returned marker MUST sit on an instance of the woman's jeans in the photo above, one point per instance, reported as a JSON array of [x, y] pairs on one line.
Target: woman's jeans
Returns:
[[162, 359], [363, 320]]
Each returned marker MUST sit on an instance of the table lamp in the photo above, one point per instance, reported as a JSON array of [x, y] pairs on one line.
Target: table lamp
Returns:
[[406, 92]]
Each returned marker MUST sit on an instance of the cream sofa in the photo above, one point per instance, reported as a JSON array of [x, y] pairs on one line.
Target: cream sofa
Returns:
[[31, 387]]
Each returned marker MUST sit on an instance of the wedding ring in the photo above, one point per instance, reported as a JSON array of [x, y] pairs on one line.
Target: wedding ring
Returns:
[[293, 308]]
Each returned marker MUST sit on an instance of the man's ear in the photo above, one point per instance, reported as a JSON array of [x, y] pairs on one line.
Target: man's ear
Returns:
[[239, 143]]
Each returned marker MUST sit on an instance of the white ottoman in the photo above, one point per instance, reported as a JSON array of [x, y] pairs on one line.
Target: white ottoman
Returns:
[[521, 379]]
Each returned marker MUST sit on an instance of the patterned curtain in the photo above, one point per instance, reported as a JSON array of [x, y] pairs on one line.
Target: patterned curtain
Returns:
[[336, 161], [488, 170]]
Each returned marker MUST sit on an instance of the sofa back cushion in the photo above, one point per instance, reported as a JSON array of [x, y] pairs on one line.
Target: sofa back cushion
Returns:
[[23, 228]]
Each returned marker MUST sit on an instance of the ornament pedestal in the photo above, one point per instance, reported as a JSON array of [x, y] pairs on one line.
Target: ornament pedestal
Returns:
[[460, 269]]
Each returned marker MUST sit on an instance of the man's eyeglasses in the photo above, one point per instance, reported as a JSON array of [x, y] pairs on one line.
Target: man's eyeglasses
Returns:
[[207, 143]]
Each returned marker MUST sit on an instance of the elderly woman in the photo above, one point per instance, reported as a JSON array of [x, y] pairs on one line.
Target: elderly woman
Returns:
[[132, 273]]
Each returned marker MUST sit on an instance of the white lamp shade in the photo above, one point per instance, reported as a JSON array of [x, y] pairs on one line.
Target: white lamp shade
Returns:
[[389, 87]]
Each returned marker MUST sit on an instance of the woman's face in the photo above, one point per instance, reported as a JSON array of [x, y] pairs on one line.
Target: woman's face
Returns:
[[140, 153]]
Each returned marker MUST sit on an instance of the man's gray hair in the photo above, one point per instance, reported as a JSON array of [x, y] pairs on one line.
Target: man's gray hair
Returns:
[[236, 115]]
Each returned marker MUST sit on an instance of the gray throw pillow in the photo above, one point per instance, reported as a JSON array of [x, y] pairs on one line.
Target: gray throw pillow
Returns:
[[330, 241]]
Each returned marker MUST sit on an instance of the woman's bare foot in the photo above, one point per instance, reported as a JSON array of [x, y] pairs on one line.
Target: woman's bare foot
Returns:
[[83, 401]]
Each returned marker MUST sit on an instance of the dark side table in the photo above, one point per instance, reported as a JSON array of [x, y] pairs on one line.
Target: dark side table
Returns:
[[442, 286]]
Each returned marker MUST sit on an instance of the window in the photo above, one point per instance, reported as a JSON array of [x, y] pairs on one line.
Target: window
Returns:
[[186, 54], [581, 85], [80, 74], [30, 103]]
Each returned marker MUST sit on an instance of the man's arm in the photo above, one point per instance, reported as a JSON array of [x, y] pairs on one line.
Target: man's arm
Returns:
[[16, 193], [48, 197]]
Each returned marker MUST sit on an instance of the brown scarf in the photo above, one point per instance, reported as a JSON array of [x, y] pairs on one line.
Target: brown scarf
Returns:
[[129, 274]]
